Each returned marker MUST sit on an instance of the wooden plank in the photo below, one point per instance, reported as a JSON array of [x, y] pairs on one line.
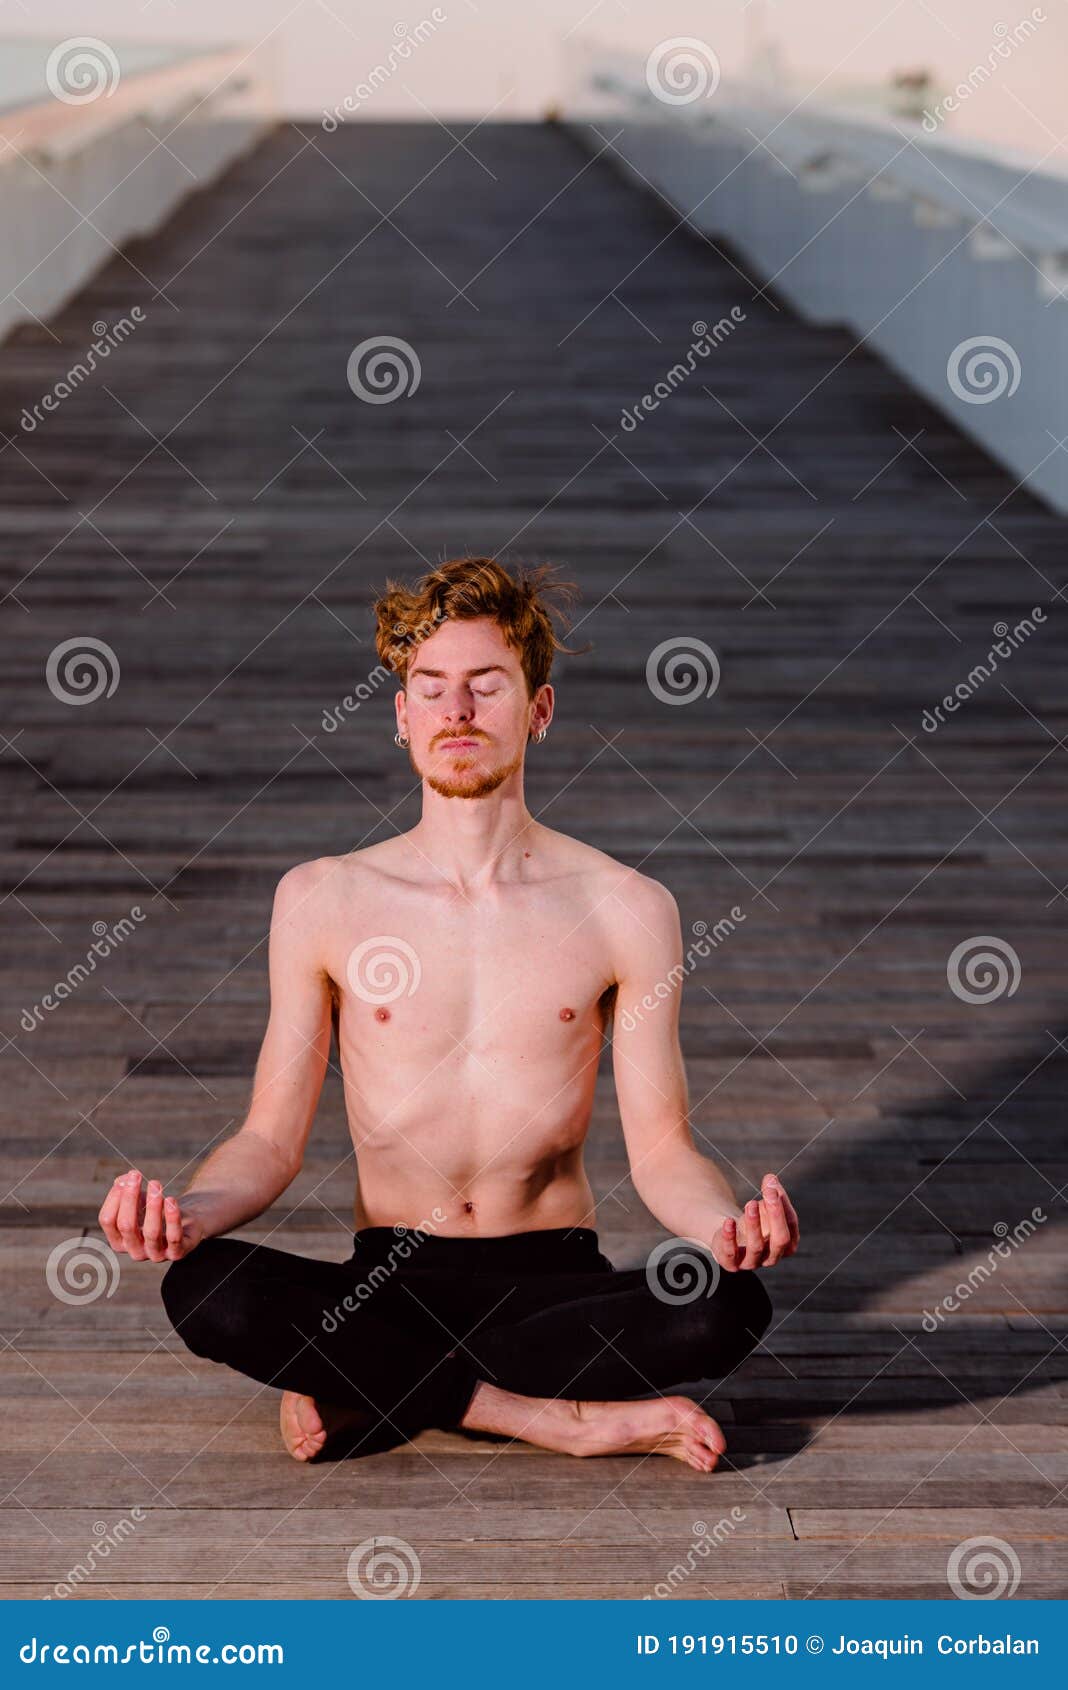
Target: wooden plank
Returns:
[[915, 1525], [535, 1561], [911, 1590], [612, 1522], [336, 1589]]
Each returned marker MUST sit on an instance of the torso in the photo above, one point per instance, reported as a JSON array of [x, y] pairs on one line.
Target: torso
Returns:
[[469, 1097]]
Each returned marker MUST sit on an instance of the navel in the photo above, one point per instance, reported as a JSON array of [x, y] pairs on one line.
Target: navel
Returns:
[[567, 1014]]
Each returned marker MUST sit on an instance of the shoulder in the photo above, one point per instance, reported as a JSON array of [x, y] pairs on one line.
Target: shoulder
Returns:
[[322, 889], [633, 908], [302, 884], [645, 900]]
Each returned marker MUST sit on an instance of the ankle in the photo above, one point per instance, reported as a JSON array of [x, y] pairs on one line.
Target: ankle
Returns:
[[489, 1409], [494, 1410]]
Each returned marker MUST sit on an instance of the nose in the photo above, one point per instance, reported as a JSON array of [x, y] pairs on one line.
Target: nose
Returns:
[[459, 711]]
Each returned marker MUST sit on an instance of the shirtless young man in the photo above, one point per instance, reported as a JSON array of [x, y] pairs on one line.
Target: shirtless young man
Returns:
[[471, 968]]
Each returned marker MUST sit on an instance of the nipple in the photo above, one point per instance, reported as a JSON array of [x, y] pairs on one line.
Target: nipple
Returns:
[[567, 1014], [381, 1014]]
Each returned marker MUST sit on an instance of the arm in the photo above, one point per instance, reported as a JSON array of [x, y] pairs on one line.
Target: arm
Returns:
[[685, 1191], [245, 1174]]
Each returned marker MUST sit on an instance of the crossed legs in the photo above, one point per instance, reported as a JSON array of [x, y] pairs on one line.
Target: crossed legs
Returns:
[[554, 1358]]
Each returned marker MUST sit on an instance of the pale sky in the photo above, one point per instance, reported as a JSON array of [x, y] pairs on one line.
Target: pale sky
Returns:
[[509, 51]]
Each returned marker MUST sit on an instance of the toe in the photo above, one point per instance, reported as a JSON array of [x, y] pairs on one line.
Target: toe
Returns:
[[714, 1438], [309, 1419]]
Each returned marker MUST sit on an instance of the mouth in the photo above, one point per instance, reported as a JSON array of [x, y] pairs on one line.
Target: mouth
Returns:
[[459, 744]]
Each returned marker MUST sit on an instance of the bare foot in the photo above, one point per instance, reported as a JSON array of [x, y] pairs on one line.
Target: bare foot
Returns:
[[660, 1426], [306, 1424], [656, 1426]]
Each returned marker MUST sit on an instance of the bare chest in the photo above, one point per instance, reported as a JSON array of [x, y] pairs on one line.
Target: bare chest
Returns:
[[434, 980]]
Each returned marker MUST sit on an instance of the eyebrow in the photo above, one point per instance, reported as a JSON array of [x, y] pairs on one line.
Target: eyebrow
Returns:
[[442, 674]]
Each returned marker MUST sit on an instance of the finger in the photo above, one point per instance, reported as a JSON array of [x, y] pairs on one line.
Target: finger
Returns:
[[791, 1220], [779, 1236], [152, 1225], [754, 1238], [129, 1227], [729, 1235], [172, 1216], [108, 1212]]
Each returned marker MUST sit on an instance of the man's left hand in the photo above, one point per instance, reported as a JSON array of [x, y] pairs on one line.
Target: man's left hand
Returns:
[[766, 1232]]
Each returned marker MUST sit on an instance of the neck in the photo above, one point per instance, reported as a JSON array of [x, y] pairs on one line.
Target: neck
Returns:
[[473, 842]]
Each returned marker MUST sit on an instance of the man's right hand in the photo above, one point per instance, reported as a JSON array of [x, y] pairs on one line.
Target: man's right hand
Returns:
[[146, 1225]]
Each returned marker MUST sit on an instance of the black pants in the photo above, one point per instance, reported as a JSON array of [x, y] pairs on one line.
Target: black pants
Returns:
[[407, 1326]]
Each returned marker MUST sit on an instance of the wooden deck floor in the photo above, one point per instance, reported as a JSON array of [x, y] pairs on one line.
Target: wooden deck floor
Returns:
[[216, 505]]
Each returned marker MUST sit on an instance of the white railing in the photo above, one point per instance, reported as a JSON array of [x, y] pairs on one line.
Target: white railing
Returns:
[[84, 169], [949, 260]]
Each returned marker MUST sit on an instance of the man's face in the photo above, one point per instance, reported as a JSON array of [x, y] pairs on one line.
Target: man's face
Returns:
[[467, 711]]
